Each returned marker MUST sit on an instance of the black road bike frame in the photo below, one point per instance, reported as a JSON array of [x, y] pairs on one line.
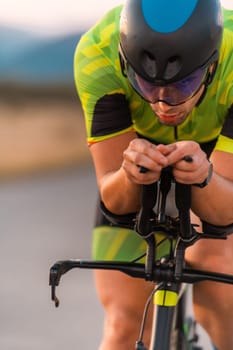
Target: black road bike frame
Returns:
[[169, 272]]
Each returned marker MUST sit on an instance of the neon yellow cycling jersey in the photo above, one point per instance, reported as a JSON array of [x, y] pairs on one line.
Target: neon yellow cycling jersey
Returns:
[[111, 106]]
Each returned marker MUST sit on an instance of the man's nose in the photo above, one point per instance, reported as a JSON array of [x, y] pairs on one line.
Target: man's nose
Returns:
[[164, 107]]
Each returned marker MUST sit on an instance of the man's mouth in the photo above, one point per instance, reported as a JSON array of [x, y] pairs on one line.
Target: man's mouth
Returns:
[[170, 119]]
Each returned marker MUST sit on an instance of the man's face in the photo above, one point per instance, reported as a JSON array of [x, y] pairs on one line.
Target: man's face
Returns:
[[172, 102], [175, 115]]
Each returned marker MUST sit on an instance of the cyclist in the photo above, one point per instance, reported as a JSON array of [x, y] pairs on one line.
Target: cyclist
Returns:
[[155, 82]]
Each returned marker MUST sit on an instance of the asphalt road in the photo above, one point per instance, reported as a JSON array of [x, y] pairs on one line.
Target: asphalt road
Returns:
[[45, 219]]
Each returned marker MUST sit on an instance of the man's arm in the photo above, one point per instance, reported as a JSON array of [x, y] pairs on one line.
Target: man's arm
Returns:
[[119, 194], [119, 179], [117, 162], [214, 203]]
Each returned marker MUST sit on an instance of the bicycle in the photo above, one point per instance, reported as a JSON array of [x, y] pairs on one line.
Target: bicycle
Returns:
[[171, 329]]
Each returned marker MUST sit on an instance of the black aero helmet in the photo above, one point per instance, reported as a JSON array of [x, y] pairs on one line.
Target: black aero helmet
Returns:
[[165, 40]]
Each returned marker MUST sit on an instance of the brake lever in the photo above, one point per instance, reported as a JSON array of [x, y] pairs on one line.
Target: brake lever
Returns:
[[56, 271], [54, 278]]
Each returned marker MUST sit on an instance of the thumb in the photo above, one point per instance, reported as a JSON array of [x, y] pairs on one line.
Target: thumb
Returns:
[[166, 149]]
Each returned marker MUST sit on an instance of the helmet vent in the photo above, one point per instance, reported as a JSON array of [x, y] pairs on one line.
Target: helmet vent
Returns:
[[149, 64], [172, 68]]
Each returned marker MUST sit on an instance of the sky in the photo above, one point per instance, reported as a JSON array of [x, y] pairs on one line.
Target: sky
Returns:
[[48, 17], [51, 17]]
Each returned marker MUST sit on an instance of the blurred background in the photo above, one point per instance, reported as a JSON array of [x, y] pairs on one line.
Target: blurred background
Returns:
[[41, 124], [47, 181]]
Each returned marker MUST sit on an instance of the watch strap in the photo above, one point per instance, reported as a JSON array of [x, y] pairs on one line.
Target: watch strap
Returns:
[[207, 179]]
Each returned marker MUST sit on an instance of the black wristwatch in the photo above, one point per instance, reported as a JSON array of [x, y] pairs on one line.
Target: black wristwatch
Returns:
[[207, 180]]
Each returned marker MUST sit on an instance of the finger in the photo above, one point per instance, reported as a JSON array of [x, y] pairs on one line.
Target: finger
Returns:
[[166, 149], [149, 150], [139, 174], [190, 172], [152, 160]]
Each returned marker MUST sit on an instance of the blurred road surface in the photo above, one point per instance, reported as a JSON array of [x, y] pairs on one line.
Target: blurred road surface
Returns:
[[45, 219]]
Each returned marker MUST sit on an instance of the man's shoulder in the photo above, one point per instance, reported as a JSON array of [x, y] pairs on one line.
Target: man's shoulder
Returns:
[[228, 18], [107, 26], [227, 40], [102, 39]]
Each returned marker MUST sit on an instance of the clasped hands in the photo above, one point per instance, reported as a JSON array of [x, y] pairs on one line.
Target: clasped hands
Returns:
[[142, 153]]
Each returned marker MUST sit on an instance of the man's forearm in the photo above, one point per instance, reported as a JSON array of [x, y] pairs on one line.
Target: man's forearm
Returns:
[[119, 194], [214, 203]]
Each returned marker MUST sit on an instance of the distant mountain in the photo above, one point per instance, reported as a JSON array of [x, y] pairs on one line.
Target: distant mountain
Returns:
[[29, 59], [13, 40]]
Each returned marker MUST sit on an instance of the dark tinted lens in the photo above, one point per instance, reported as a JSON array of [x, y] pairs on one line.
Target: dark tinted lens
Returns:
[[175, 93], [190, 84]]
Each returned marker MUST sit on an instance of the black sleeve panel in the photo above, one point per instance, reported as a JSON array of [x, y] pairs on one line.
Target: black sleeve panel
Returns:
[[111, 114], [227, 129]]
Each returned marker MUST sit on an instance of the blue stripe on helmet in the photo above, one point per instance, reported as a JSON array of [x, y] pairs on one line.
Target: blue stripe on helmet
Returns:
[[167, 16]]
